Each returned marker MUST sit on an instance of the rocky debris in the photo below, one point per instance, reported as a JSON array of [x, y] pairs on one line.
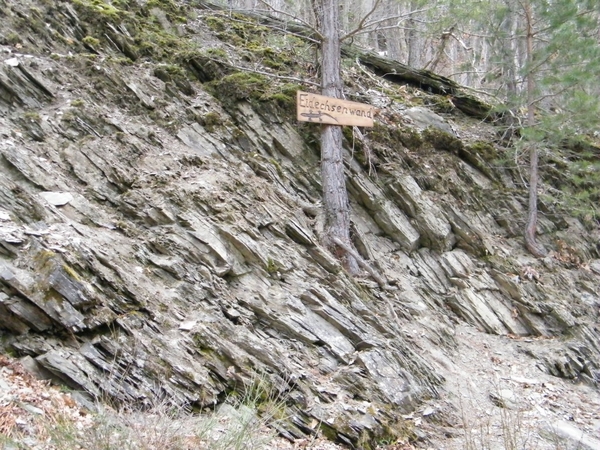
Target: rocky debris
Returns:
[[35, 415], [27, 403], [503, 398], [570, 436], [145, 254], [57, 198]]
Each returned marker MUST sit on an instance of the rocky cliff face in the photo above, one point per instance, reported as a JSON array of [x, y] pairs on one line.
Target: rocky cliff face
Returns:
[[159, 234]]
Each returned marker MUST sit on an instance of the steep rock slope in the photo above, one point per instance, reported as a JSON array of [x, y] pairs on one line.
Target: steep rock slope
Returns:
[[159, 230]]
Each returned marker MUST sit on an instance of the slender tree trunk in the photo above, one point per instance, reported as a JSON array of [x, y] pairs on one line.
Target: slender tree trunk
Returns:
[[509, 54], [530, 240], [439, 54], [335, 196], [413, 45]]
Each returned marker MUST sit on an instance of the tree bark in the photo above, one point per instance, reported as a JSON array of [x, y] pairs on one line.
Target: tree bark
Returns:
[[439, 54], [335, 196], [413, 39], [530, 240], [508, 44], [530, 229]]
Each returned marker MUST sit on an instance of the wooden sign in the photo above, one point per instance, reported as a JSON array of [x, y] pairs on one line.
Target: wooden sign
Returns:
[[333, 111]]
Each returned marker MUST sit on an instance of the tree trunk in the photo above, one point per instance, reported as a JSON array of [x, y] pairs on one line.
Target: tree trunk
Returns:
[[335, 196], [509, 54], [530, 240], [413, 40], [439, 54]]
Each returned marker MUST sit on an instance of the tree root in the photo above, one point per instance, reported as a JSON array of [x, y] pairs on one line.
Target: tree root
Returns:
[[381, 281]]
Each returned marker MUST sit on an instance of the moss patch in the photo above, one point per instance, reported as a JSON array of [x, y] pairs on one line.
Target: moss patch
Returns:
[[478, 155], [206, 68], [240, 86], [211, 121], [91, 41], [392, 136], [283, 96], [98, 11], [255, 42], [484, 149], [440, 140]]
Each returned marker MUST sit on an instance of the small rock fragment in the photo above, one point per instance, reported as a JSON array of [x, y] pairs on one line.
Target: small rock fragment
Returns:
[[57, 198]]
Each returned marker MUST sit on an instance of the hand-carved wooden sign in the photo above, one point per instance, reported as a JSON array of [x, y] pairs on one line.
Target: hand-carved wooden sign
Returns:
[[333, 111]]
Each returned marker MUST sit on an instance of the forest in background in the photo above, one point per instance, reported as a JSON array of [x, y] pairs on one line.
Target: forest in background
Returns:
[[537, 60], [478, 43]]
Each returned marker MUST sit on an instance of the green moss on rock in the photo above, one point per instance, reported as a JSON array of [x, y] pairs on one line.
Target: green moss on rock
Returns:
[[484, 149], [91, 41], [410, 138], [392, 136], [440, 104], [205, 68], [210, 121], [12, 38], [168, 6], [215, 23], [284, 96], [441, 140], [240, 86], [479, 155], [269, 56], [94, 11]]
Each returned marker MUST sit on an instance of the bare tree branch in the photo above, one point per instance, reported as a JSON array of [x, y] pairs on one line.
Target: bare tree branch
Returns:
[[363, 26], [390, 27], [433, 63], [364, 19], [287, 30], [291, 16], [552, 94], [267, 74], [459, 40]]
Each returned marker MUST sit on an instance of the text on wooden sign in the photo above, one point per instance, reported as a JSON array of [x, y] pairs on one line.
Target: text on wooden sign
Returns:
[[333, 111]]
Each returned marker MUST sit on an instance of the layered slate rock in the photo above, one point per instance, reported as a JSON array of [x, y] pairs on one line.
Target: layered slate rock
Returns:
[[185, 260]]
